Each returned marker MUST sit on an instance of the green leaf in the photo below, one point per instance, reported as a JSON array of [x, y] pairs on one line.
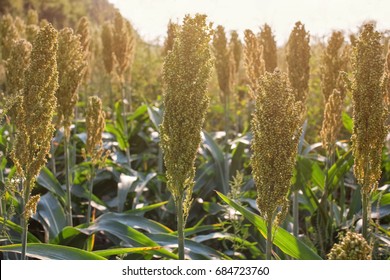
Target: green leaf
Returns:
[[50, 214], [124, 186], [119, 251], [282, 238], [339, 169], [52, 252], [143, 210], [155, 116], [47, 180], [134, 221], [194, 249], [218, 158], [70, 236], [347, 122], [119, 136], [18, 229], [128, 235]]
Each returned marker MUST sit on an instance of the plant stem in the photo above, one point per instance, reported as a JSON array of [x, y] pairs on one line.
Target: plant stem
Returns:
[[53, 159], [90, 194], [68, 182], [226, 109], [269, 239], [180, 227], [365, 207], [24, 220], [125, 126], [295, 213]]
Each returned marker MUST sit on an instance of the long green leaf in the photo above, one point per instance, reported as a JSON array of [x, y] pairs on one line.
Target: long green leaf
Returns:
[[52, 252], [119, 251], [47, 180], [282, 238], [18, 229], [128, 235]]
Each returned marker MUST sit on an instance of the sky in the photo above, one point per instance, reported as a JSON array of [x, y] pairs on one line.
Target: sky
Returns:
[[150, 17]]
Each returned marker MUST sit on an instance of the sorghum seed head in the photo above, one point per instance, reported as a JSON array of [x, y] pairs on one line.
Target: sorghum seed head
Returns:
[[223, 62], [268, 42], [298, 56], [36, 109], [254, 62], [108, 53], [236, 48], [71, 67], [8, 33], [275, 128], [186, 72], [16, 66], [95, 124], [172, 31], [369, 112], [123, 44], [352, 246]]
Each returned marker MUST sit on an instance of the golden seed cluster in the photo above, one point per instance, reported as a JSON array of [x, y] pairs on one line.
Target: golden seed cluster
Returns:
[[254, 62], [37, 107], [172, 31], [275, 128], [8, 34], [369, 112], [351, 247], [95, 124], [224, 62], [268, 42], [332, 122], [186, 72], [108, 53], [298, 56], [71, 67]]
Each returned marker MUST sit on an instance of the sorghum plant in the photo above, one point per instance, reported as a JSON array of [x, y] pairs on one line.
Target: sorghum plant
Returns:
[[298, 56], [172, 31], [8, 33], [34, 119], [276, 129], [254, 62], [95, 124], [186, 73], [71, 67], [369, 114], [224, 64]]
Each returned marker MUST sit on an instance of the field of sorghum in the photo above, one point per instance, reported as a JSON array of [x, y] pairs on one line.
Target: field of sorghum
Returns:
[[203, 148]]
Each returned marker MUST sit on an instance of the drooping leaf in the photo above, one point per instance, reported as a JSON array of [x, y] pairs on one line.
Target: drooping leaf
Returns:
[[124, 186], [52, 252], [119, 251], [282, 239], [47, 180], [18, 229]]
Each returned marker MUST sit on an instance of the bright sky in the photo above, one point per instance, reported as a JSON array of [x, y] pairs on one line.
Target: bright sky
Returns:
[[150, 17]]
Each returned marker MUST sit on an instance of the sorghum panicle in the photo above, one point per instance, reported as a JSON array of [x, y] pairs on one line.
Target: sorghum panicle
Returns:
[[275, 128], [332, 122], [351, 247], [8, 33], [268, 42], [172, 31], [236, 49], [186, 72], [108, 53], [223, 62], [333, 61], [83, 30], [36, 109], [298, 56], [16, 66], [369, 112], [254, 62], [95, 124], [123, 44], [71, 67]]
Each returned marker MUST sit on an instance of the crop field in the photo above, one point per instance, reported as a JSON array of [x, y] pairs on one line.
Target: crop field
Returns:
[[209, 144]]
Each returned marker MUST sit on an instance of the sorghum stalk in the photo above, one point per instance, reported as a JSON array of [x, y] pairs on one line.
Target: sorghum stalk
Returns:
[[123, 48], [34, 119], [369, 114], [298, 56], [95, 124], [186, 73], [224, 64], [71, 68], [276, 130]]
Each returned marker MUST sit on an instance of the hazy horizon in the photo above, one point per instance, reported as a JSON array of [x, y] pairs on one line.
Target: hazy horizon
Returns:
[[150, 18]]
